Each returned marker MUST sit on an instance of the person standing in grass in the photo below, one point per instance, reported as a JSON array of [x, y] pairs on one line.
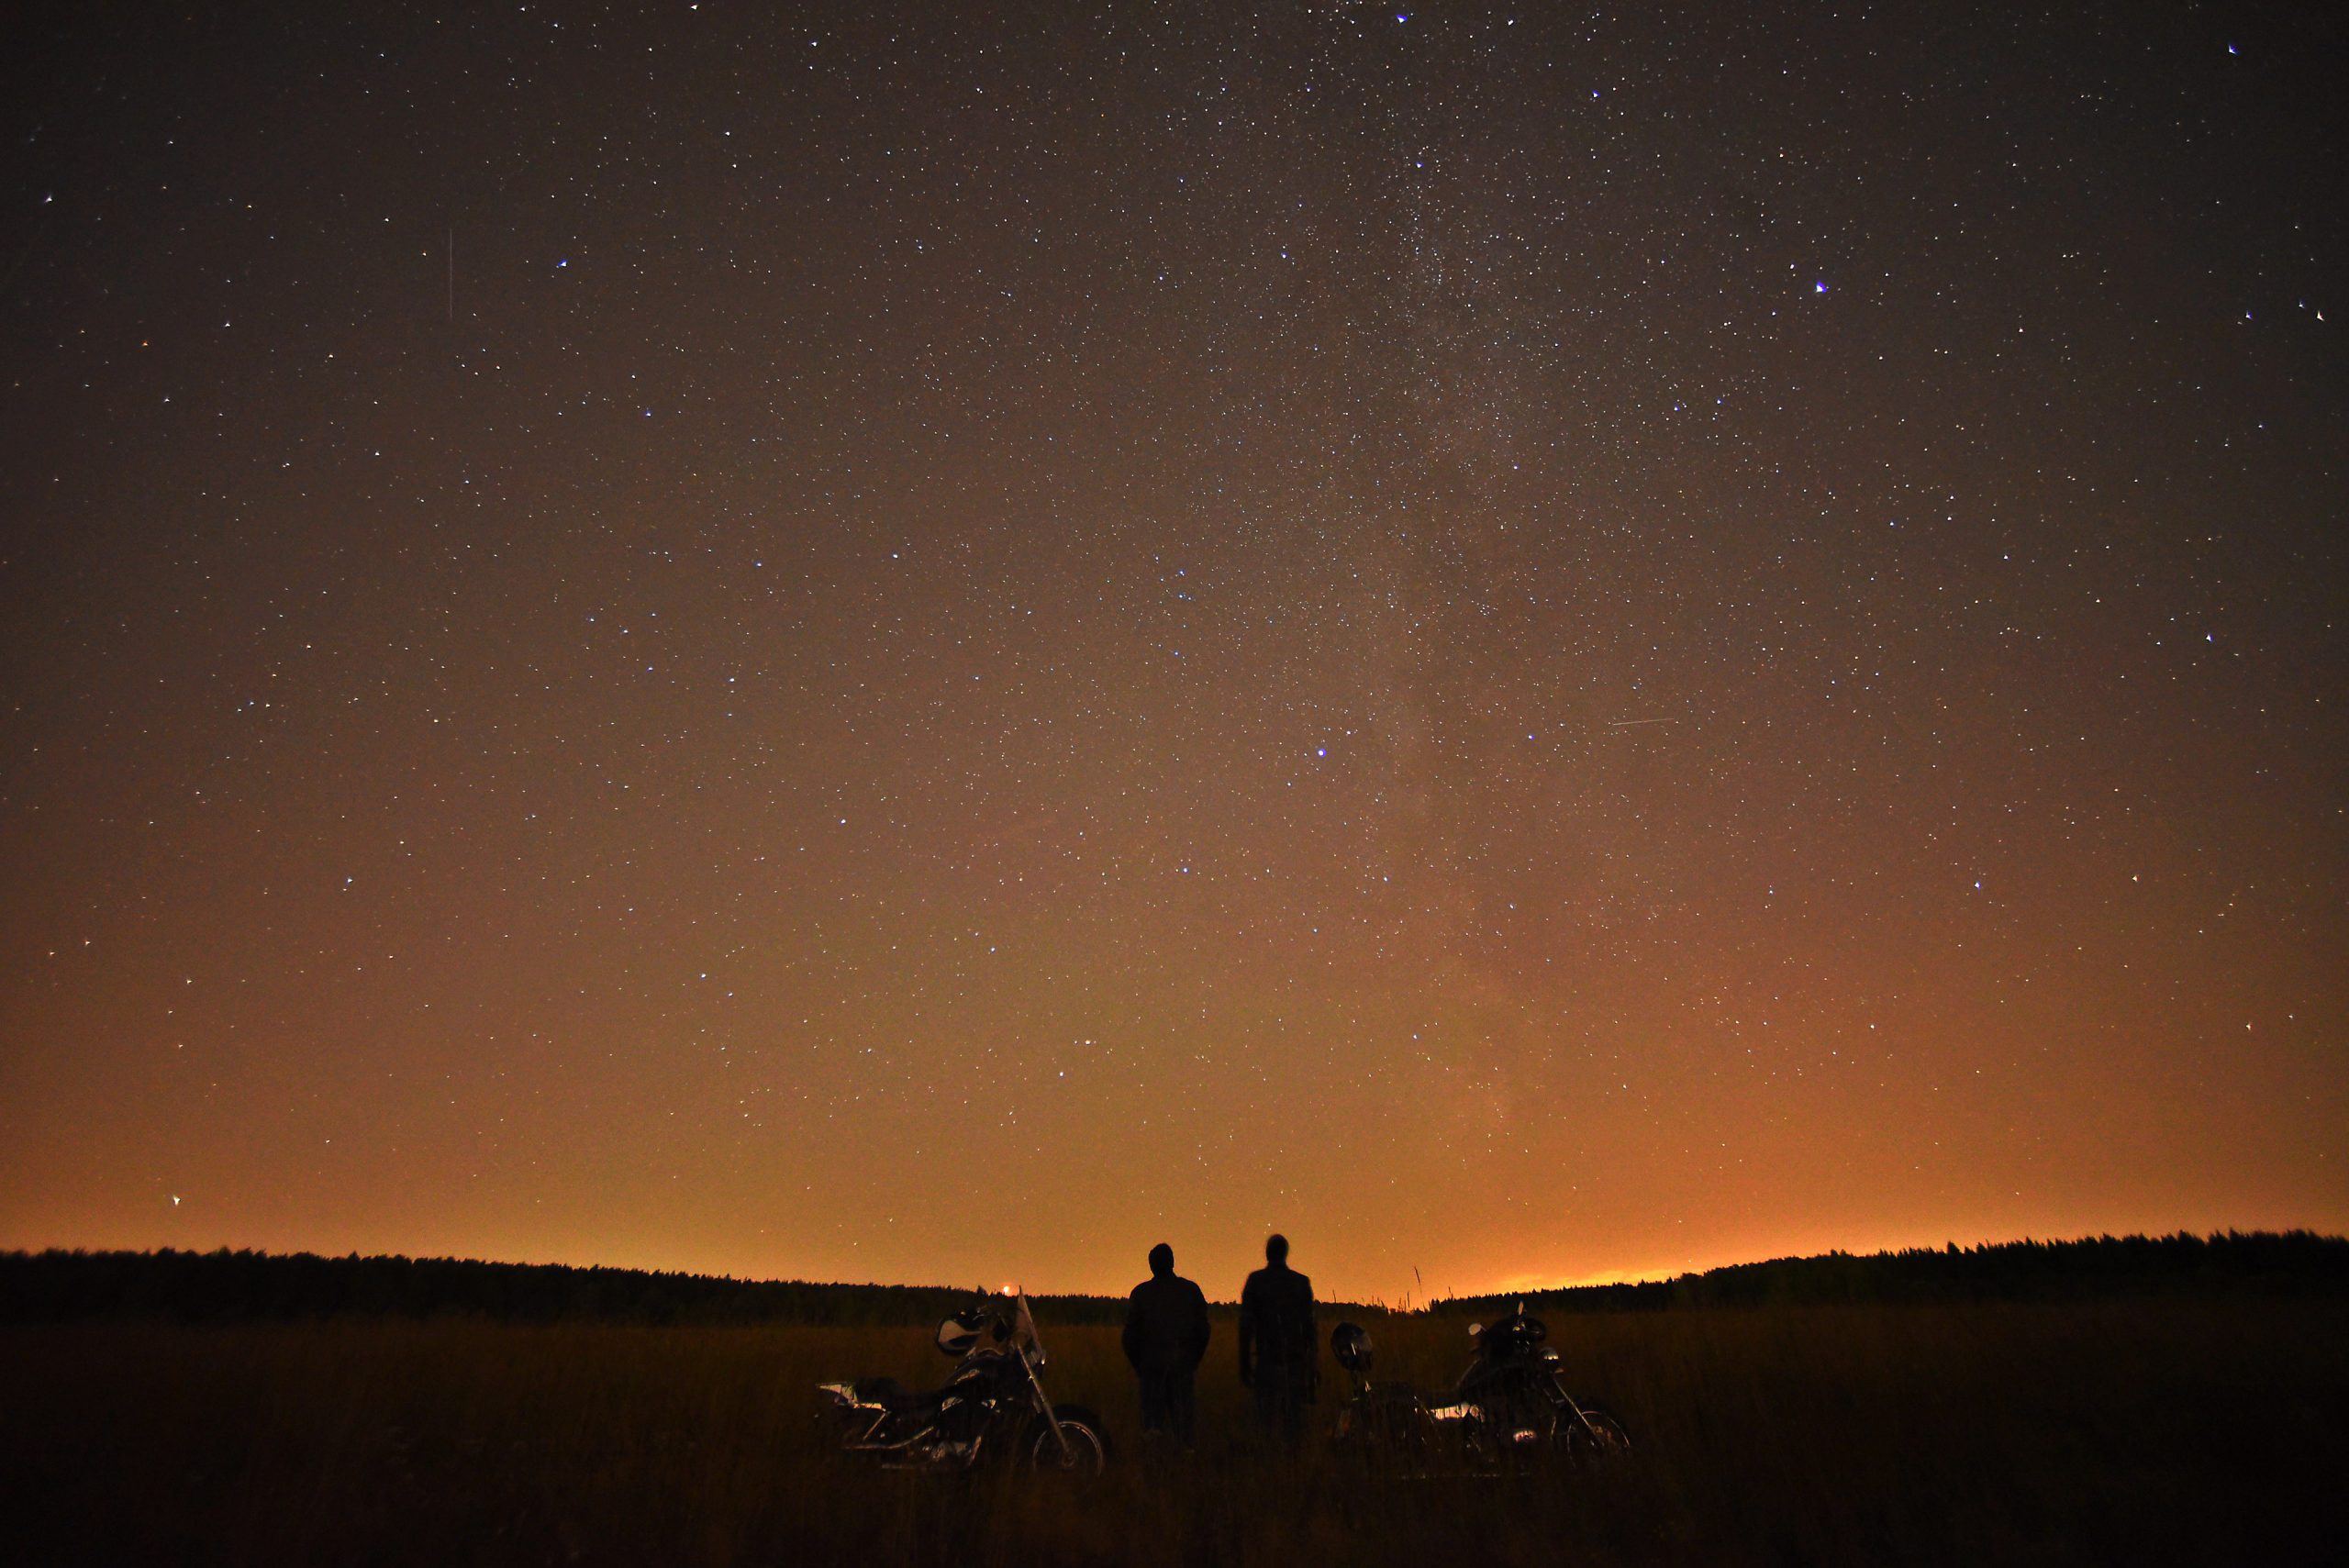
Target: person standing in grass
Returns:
[[1279, 1354], [1165, 1339]]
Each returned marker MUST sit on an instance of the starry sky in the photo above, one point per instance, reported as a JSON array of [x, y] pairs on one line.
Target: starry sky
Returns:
[[1530, 645]]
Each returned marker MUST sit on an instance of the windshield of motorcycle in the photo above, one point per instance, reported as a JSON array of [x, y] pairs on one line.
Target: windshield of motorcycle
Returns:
[[1004, 1330], [1023, 1333]]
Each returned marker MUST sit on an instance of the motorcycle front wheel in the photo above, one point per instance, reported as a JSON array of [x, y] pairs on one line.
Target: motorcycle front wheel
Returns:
[[1087, 1454], [1596, 1439]]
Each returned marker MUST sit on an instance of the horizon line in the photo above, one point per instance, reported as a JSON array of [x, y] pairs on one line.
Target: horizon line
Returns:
[[1527, 1287]]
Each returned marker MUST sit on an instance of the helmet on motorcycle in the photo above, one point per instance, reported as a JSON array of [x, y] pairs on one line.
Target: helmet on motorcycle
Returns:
[[1516, 1334], [960, 1334], [1350, 1343]]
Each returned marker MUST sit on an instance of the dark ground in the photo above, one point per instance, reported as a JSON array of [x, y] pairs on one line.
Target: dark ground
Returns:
[[2122, 1429]]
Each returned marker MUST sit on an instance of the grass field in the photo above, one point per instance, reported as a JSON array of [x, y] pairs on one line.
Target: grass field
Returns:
[[2154, 1430]]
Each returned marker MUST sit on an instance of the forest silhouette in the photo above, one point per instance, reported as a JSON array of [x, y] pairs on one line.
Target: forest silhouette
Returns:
[[228, 1286]]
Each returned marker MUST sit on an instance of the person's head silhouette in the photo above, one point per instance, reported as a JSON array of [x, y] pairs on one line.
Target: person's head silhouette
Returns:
[[1161, 1259], [1276, 1250]]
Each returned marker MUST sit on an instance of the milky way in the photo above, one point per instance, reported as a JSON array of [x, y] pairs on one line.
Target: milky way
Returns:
[[1529, 646]]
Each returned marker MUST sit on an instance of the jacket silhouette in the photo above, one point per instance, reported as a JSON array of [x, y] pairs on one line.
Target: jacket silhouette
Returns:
[[1279, 1352], [1166, 1339]]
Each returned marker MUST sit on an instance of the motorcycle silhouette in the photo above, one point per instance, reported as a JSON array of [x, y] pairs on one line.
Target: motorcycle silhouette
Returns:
[[1511, 1408], [994, 1408]]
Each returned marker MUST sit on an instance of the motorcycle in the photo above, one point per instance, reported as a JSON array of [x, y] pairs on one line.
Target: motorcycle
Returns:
[[1510, 1408], [994, 1407]]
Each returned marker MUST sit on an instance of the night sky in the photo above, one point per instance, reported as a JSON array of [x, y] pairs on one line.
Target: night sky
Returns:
[[1530, 645]]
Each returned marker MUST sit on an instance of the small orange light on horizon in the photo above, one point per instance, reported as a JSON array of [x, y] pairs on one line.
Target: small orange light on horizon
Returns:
[[1011, 1290]]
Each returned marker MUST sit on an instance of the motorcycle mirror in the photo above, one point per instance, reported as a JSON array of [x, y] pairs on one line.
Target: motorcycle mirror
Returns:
[[1475, 1329], [957, 1335]]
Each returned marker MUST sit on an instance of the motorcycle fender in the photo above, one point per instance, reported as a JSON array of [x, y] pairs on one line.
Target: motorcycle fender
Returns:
[[843, 1397]]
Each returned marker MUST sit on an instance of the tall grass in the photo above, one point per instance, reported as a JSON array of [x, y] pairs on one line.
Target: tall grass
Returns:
[[2107, 1430]]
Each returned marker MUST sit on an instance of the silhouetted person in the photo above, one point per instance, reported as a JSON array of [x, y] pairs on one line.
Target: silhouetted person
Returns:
[[1166, 1337], [1279, 1356]]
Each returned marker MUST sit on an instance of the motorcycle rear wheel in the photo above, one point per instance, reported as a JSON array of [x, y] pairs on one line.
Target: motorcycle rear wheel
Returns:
[[1387, 1432], [1087, 1453]]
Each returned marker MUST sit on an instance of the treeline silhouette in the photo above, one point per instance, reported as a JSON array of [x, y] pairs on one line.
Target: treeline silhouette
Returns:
[[2258, 1261], [242, 1286]]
